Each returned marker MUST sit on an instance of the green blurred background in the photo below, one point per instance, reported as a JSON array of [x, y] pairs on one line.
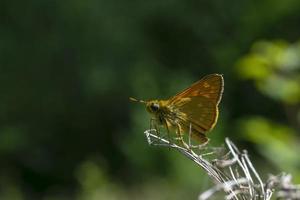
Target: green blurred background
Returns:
[[67, 68]]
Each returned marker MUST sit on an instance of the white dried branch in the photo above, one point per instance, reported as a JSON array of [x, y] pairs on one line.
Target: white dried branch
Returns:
[[227, 187], [232, 172]]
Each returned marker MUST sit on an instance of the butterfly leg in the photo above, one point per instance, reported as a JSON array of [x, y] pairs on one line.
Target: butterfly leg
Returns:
[[180, 137], [190, 135], [167, 124], [154, 126]]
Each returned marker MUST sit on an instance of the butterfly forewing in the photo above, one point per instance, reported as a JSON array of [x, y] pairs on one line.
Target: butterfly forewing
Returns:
[[198, 104]]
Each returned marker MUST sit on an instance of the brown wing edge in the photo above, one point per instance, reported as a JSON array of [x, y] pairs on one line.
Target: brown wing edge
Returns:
[[221, 88], [219, 99]]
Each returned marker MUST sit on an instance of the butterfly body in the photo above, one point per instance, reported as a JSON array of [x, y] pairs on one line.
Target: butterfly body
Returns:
[[193, 111], [164, 114]]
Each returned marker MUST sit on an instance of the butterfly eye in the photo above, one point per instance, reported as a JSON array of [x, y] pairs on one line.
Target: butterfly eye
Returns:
[[154, 107]]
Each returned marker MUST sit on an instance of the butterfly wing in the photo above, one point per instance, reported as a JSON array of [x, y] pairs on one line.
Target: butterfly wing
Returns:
[[198, 104]]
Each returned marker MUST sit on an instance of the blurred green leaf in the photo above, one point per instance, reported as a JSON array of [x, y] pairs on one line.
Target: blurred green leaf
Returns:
[[276, 142]]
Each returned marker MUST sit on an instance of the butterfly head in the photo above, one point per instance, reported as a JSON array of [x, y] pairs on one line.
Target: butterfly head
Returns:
[[153, 106]]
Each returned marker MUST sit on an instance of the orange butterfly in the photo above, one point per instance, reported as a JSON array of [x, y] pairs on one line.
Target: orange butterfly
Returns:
[[193, 111]]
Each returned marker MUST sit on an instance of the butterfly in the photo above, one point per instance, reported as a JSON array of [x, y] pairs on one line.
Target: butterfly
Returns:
[[193, 111]]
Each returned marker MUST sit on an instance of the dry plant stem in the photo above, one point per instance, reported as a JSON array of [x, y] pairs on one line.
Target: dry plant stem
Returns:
[[212, 171], [247, 167], [209, 193], [233, 173], [283, 186]]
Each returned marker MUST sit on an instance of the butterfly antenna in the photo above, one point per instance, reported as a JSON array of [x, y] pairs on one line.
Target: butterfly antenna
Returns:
[[135, 100]]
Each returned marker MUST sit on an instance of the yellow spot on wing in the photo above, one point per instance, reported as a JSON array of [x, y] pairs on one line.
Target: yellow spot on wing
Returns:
[[206, 85]]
